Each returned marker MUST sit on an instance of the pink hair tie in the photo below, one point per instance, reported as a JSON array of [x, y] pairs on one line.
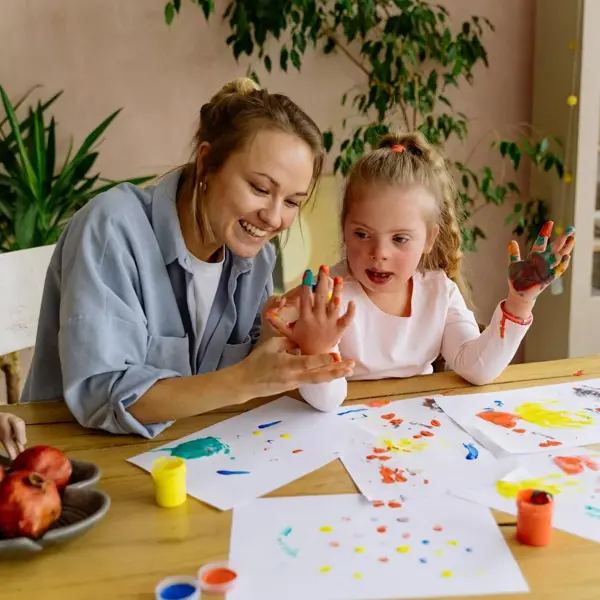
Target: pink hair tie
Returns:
[[398, 148]]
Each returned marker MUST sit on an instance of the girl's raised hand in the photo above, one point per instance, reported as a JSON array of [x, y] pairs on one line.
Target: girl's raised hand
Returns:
[[319, 326]]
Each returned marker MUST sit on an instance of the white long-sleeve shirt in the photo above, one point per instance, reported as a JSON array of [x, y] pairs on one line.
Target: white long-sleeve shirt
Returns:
[[386, 346]]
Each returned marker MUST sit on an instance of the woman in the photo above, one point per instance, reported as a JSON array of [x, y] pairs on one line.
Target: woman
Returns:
[[153, 297]]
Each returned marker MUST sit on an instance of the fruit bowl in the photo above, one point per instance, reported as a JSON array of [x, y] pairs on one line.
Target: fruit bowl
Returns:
[[81, 510], [84, 474]]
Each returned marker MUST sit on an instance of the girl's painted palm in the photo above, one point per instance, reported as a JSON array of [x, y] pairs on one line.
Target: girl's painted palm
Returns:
[[545, 263], [319, 326]]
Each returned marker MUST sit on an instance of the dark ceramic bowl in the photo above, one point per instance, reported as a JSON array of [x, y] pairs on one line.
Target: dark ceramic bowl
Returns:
[[81, 510], [84, 474]]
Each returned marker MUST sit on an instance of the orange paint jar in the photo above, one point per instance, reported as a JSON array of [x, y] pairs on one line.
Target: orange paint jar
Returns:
[[534, 517]]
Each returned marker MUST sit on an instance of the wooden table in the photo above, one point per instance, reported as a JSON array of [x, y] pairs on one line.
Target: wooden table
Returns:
[[137, 543]]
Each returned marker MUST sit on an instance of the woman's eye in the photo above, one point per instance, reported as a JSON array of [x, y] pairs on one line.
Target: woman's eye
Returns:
[[401, 240], [292, 203], [259, 190], [360, 234]]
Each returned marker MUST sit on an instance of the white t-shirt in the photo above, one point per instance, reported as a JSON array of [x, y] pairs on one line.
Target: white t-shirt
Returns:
[[204, 288], [386, 346]]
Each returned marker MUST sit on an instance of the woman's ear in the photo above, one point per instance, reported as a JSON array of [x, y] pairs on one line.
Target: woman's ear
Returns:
[[431, 237], [201, 156]]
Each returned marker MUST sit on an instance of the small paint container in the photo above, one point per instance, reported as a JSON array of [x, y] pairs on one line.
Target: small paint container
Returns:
[[168, 473], [534, 517], [179, 587], [217, 578]]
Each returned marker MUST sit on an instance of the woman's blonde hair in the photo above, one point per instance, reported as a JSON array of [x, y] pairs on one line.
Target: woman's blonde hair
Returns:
[[402, 159], [229, 122]]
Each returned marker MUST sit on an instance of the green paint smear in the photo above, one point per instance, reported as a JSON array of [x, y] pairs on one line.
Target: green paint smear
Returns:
[[200, 448]]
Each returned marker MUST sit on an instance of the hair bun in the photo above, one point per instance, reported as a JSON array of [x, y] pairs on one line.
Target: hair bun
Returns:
[[242, 85], [392, 139]]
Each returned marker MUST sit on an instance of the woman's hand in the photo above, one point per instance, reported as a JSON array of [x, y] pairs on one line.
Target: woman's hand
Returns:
[[12, 434], [545, 263], [276, 367], [319, 326]]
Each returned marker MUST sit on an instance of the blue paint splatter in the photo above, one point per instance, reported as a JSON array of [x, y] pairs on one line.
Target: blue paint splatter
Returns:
[[473, 453], [269, 441], [469, 549], [425, 542], [498, 403], [592, 511], [265, 425], [423, 561], [225, 472], [352, 410], [286, 531], [488, 409]]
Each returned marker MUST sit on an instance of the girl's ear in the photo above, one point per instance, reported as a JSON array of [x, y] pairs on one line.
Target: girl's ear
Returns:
[[431, 237]]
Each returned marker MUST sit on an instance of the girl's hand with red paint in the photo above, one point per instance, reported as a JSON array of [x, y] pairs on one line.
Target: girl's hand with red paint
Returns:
[[545, 263], [319, 326]]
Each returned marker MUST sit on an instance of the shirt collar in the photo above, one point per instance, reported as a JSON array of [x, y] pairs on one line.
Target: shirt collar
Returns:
[[167, 229]]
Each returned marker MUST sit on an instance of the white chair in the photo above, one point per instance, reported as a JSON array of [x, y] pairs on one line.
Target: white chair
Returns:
[[22, 275]]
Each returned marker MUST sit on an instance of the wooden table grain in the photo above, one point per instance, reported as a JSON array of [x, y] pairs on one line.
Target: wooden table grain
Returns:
[[137, 543]]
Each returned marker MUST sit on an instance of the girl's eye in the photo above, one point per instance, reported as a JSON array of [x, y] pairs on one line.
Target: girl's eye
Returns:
[[293, 204], [360, 234], [259, 190], [401, 240]]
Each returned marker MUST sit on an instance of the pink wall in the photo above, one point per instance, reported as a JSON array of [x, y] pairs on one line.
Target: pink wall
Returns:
[[111, 53]]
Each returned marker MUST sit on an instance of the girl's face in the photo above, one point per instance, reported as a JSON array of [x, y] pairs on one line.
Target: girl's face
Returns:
[[258, 192], [387, 230]]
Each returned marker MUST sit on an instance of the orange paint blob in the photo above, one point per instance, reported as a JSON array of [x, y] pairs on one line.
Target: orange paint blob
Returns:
[[438, 528], [372, 457], [418, 436], [427, 434], [383, 559], [384, 457], [396, 422], [502, 419], [394, 504], [426, 481], [519, 430], [549, 443], [388, 416], [378, 503], [378, 403], [382, 529], [334, 544], [389, 475], [379, 450], [297, 451], [578, 373], [219, 576], [435, 422]]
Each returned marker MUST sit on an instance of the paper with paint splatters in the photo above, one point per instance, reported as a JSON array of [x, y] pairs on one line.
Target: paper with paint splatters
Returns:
[[338, 547], [572, 477], [530, 420], [256, 452]]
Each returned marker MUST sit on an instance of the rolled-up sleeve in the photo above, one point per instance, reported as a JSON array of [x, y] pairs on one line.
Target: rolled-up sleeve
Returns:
[[103, 339]]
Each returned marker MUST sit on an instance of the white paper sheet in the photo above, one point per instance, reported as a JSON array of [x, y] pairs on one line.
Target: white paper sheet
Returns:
[[343, 547], [531, 419], [255, 452]]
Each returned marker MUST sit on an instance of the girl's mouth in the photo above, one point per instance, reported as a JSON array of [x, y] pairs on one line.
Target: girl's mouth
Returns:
[[379, 277]]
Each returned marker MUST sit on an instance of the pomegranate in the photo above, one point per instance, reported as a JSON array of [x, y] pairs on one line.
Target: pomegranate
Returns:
[[29, 504], [49, 462]]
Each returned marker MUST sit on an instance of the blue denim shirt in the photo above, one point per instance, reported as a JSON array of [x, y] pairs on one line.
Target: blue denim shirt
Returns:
[[115, 317]]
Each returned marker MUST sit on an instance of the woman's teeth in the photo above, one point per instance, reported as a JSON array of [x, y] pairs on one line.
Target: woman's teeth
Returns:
[[252, 230]]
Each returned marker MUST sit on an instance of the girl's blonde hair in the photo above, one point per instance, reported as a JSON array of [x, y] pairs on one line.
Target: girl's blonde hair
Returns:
[[229, 122], [404, 159]]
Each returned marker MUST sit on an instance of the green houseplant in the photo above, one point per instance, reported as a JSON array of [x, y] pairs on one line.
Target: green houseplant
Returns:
[[38, 196], [410, 56]]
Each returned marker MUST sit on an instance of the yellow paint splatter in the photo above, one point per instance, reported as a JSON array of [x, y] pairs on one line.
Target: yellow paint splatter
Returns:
[[359, 549], [285, 436], [403, 549], [326, 529], [438, 553], [536, 413], [257, 433], [325, 569], [510, 489], [480, 572], [357, 575], [446, 573], [452, 543], [405, 445]]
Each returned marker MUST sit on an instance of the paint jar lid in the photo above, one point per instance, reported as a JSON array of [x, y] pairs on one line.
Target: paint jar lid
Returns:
[[178, 587], [217, 578]]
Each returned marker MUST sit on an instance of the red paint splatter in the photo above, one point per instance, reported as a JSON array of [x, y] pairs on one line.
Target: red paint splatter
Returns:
[[406, 535], [578, 373], [394, 504], [427, 434], [502, 326], [334, 544], [396, 422], [549, 443], [426, 481], [502, 419], [378, 403], [372, 457], [384, 457], [378, 503], [519, 430], [417, 437], [297, 451], [435, 422], [382, 529], [379, 450], [438, 528], [389, 475], [388, 417], [384, 559]]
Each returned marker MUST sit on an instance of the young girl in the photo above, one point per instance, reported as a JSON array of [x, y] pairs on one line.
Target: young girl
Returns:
[[12, 434], [402, 279]]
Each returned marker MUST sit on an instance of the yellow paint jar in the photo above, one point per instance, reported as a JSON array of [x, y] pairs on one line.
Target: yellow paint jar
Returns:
[[168, 473]]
